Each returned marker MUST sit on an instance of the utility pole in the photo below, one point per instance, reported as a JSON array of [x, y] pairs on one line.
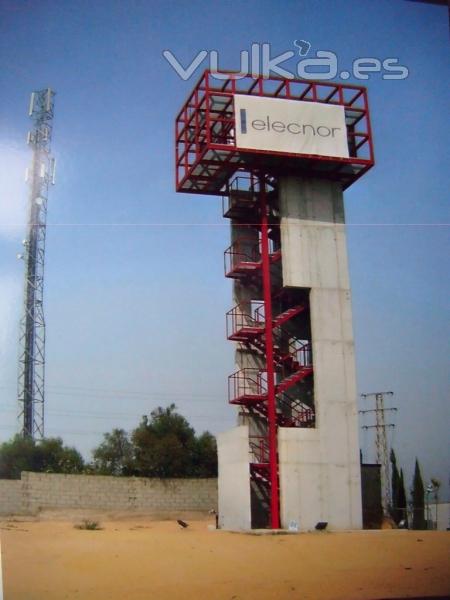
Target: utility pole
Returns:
[[32, 325], [381, 443]]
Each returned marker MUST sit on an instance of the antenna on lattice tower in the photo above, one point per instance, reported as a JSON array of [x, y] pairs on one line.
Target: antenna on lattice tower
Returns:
[[381, 443], [40, 176]]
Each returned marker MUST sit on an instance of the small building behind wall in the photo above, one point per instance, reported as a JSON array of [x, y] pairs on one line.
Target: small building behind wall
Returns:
[[372, 507], [438, 516], [281, 152]]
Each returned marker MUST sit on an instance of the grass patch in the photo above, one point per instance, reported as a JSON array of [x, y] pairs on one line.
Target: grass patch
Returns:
[[89, 525]]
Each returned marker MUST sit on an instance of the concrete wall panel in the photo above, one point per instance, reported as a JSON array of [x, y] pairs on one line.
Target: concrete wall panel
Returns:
[[321, 482], [234, 479]]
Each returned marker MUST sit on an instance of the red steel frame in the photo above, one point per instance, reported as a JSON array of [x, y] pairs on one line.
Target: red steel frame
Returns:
[[206, 155]]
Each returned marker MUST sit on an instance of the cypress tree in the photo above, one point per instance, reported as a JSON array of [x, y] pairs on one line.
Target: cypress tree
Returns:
[[402, 499], [418, 499], [395, 489]]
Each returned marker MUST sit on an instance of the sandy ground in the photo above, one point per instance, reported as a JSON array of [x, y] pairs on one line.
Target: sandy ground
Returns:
[[156, 560]]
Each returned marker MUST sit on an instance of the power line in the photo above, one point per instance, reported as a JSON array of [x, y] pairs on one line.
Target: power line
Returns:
[[105, 392], [109, 416], [102, 393]]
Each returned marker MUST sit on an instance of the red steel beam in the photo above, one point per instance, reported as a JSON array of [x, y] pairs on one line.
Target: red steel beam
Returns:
[[271, 409]]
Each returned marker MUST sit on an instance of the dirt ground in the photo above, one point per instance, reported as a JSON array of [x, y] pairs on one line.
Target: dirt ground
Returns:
[[139, 558]]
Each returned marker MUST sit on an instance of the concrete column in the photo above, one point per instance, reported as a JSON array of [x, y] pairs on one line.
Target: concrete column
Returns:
[[234, 479], [319, 468]]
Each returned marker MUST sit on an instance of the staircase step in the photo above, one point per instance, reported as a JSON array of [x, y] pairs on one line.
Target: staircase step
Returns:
[[293, 379], [288, 314]]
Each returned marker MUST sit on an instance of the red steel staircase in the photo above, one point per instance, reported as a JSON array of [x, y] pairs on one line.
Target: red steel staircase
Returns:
[[271, 395]]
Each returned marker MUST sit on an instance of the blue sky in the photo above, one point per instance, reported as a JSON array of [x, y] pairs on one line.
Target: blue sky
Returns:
[[135, 294]]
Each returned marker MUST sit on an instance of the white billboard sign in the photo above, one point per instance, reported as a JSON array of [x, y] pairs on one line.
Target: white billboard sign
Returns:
[[294, 126]]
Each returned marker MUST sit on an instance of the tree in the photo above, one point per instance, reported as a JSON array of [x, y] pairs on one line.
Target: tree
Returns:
[[47, 455], [16, 456], [114, 456], [398, 508], [55, 457], [165, 445], [395, 489], [162, 445], [436, 484], [417, 493], [205, 456], [402, 499]]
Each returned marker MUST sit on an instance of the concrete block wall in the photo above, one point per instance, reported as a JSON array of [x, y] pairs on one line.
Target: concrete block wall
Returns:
[[11, 497], [44, 491]]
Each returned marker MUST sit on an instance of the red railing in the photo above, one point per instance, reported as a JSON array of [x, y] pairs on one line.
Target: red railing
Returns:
[[259, 449], [243, 321], [244, 183], [247, 385], [243, 256], [298, 353], [241, 197], [294, 413], [280, 318]]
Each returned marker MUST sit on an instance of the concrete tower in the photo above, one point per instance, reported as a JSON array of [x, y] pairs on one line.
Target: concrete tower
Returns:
[[281, 152]]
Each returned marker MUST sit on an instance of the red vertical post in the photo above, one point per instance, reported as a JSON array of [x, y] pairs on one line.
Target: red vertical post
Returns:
[[369, 127], [271, 409]]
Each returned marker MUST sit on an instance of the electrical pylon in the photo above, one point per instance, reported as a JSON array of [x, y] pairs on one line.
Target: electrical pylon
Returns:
[[381, 444], [32, 325]]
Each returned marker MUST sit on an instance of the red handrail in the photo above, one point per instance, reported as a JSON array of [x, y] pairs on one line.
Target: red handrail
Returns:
[[259, 449]]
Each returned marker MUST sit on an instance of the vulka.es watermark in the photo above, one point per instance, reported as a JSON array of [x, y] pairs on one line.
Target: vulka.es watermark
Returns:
[[259, 61]]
